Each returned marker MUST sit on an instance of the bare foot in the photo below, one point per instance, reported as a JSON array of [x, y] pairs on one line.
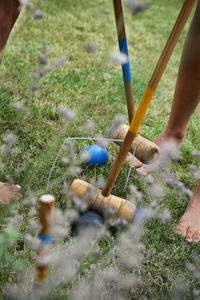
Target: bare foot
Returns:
[[143, 169], [189, 224], [8, 192], [136, 163]]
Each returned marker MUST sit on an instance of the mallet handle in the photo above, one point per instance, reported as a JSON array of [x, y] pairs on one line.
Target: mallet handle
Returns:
[[45, 217], [46, 214], [148, 94], [124, 49]]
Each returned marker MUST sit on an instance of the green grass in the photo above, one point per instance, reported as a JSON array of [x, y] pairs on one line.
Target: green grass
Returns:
[[93, 87]]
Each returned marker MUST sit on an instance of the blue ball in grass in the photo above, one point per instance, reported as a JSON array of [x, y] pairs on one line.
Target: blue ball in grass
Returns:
[[95, 155], [139, 215], [91, 218], [88, 219]]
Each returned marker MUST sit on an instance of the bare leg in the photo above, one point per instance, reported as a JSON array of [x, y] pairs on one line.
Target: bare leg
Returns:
[[187, 91], [9, 11], [186, 98]]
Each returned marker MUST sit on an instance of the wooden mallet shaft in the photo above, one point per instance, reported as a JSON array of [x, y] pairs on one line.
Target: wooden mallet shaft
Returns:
[[45, 218], [145, 149], [148, 94], [121, 33]]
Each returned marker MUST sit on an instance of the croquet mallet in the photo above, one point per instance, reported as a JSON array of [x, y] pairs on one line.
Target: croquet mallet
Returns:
[[145, 149], [100, 200]]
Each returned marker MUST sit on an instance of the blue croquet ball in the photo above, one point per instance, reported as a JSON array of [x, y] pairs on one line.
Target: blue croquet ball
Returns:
[[95, 155], [88, 219], [139, 215]]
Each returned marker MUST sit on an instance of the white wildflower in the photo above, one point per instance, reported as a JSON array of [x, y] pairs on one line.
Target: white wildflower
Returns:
[[100, 141], [149, 179], [136, 6], [165, 215], [34, 226], [155, 191], [60, 62], [134, 193], [43, 260], [195, 172], [60, 232], [32, 242], [89, 126], [10, 140], [32, 212], [169, 151], [85, 156], [30, 199], [26, 3], [196, 154], [58, 217], [112, 275], [65, 188], [100, 183], [119, 58], [82, 291], [66, 113], [18, 106], [38, 15], [13, 213], [74, 170], [118, 120], [91, 47], [196, 293], [72, 215], [186, 192]]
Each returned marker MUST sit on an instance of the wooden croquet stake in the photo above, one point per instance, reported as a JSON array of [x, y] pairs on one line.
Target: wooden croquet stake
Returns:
[[45, 218], [121, 33], [148, 94]]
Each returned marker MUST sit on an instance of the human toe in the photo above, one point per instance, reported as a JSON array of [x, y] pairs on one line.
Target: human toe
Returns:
[[133, 161], [196, 237], [190, 234], [18, 186], [143, 170], [181, 229]]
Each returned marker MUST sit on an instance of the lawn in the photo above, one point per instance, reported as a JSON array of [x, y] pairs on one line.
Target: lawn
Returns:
[[90, 85]]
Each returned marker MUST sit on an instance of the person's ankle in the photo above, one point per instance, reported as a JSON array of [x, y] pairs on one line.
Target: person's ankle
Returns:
[[177, 136]]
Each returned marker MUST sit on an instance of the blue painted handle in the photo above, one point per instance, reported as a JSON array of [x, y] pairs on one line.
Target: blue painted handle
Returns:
[[125, 67], [45, 239]]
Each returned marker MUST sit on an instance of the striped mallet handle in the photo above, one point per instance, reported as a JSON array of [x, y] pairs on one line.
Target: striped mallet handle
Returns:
[[124, 49], [148, 94], [45, 218]]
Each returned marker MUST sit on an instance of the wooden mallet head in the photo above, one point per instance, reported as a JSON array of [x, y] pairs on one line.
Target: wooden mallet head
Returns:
[[145, 150], [94, 199]]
